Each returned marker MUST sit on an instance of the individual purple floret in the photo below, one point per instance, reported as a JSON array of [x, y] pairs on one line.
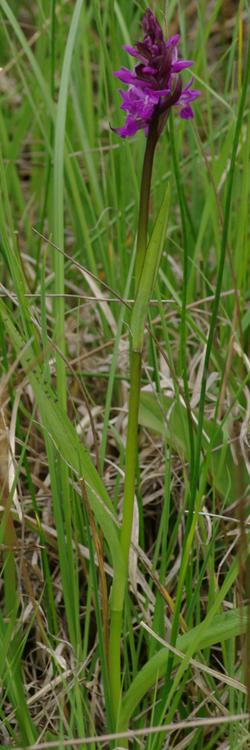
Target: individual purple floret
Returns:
[[155, 84]]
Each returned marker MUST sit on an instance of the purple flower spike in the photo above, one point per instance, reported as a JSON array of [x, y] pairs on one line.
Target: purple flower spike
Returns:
[[155, 84]]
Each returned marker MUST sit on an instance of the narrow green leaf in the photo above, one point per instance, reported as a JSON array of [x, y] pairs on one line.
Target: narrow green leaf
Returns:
[[58, 426], [149, 273], [223, 627], [169, 418], [58, 215]]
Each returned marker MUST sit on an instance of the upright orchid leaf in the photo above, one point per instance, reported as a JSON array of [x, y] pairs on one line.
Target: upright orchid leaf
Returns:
[[149, 273]]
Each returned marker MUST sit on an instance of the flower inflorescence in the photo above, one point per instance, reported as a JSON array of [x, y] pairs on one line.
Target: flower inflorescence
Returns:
[[155, 84]]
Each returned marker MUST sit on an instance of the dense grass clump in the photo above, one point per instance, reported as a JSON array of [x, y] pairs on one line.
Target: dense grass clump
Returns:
[[178, 620]]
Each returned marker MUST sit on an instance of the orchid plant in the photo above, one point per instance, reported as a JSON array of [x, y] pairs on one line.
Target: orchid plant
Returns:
[[153, 88]]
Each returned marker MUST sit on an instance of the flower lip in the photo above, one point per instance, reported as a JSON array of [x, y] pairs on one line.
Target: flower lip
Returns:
[[155, 84]]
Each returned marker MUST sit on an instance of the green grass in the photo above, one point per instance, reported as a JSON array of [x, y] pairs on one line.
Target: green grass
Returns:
[[68, 206]]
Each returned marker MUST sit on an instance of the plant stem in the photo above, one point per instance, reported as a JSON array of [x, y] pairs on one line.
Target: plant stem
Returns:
[[126, 531], [144, 201], [131, 453], [132, 438]]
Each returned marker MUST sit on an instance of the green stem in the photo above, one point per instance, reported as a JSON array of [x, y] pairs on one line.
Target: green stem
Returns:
[[131, 441], [126, 531], [115, 661], [131, 454]]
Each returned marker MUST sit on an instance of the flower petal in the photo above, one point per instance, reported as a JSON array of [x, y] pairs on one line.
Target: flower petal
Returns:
[[134, 52], [186, 113], [181, 65], [173, 40], [124, 75]]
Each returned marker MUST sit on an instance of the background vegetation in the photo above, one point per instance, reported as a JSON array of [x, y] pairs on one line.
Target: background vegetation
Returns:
[[68, 217]]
